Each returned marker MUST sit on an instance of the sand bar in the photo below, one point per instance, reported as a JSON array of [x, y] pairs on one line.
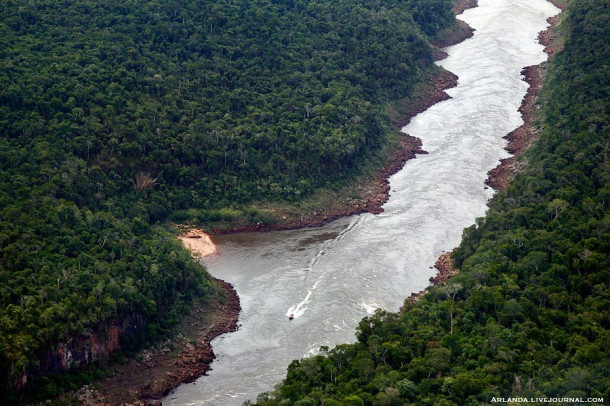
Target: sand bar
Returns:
[[198, 242]]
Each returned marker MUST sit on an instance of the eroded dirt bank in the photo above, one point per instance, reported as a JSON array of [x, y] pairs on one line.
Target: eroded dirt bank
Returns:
[[521, 139], [198, 242], [157, 370]]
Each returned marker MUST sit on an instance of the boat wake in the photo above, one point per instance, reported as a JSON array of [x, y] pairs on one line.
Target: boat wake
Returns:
[[300, 308]]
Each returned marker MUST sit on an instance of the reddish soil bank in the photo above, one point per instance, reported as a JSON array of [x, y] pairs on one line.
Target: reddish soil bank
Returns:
[[521, 139], [375, 191], [156, 371], [446, 270]]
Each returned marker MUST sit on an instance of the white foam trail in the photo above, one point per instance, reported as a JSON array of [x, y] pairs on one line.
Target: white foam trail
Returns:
[[300, 308], [339, 237]]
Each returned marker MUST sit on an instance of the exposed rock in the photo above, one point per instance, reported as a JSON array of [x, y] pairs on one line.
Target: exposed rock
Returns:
[[521, 139], [87, 396], [446, 269], [182, 359], [81, 350], [456, 35]]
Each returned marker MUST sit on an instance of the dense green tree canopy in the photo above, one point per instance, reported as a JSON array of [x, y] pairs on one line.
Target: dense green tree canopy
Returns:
[[529, 313], [218, 101], [115, 115]]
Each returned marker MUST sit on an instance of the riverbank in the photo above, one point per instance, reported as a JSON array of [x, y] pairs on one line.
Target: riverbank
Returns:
[[198, 242], [457, 34], [368, 193], [521, 138], [446, 270], [157, 370]]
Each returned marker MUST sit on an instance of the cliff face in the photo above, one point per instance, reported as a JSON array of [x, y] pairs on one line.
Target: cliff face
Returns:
[[82, 350], [183, 358]]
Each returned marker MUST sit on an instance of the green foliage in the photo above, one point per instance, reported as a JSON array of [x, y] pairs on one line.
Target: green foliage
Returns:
[[198, 104], [432, 15], [528, 314], [115, 116], [65, 278]]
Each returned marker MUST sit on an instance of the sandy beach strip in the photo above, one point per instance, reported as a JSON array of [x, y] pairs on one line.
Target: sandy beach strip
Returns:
[[198, 242]]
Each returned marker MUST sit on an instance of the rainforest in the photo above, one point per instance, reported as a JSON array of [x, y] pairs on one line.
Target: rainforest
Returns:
[[527, 315], [120, 118]]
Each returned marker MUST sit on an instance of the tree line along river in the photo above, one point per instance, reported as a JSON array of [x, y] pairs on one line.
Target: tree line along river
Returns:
[[333, 276]]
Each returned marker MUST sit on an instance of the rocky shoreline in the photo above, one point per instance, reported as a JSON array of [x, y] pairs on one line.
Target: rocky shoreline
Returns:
[[446, 270], [521, 138], [157, 370], [166, 369]]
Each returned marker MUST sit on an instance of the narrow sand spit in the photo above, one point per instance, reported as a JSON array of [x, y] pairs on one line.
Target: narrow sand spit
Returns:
[[198, 242]]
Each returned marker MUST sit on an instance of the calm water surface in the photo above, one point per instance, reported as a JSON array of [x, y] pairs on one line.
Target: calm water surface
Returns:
[[331, 277]]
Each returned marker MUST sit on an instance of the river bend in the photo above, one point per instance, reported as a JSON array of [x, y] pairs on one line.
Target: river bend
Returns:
[[333, 276]]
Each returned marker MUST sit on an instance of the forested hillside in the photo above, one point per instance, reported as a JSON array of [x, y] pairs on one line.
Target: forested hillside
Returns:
[[529, 313], [117, 115], [216, 101]]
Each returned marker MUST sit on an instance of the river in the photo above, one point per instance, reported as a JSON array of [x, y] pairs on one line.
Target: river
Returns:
[[331, 277]]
